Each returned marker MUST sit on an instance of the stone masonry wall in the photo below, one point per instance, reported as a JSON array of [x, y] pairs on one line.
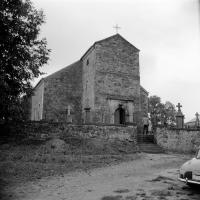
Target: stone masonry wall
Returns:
[[117, 75], [93, 88], [88, 82], [178, 140], [103, 132], [63, 89], [144, 101], [37, 102], [48, 130]]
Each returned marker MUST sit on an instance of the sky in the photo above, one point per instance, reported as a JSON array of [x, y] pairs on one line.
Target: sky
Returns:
[[167, 32]]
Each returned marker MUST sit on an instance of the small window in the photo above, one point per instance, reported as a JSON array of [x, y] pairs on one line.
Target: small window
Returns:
[[87, 62]]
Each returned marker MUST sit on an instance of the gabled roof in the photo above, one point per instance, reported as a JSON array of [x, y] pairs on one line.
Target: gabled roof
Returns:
[[144, 90], [40, 81], [191, 121], [79, 61], [106, 39], [67, 68]]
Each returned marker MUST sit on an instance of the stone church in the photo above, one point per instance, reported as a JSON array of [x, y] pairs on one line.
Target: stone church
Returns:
[[103, 87]]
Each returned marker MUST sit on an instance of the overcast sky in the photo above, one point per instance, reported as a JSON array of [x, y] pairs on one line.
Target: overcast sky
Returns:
[[167, 32]]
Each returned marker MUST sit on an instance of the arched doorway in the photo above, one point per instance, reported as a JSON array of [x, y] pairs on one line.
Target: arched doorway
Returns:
[[119, 115]]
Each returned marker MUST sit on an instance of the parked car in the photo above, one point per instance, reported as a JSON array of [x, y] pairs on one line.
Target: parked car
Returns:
[[190, 171]]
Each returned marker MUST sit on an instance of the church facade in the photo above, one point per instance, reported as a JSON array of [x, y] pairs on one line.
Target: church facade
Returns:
[[103, 87]]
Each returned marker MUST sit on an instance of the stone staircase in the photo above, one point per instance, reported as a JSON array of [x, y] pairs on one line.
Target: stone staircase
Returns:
[[147, 144]]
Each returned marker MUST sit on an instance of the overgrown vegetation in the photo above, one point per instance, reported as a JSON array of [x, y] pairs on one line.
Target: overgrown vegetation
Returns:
[[161, 113]]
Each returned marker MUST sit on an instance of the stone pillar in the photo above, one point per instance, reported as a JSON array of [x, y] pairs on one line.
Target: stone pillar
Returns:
[[180, 121], [113, 107], [69, 118], [127, 120], [130, 107], [69, 114], [131, 117], [197, 120], [87, 115], [179, 117], [112, 118]]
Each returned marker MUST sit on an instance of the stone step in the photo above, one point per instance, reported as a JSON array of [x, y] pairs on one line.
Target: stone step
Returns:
[[145, 141], [152, 151], [145, 138], [148, 145], [150, 148]]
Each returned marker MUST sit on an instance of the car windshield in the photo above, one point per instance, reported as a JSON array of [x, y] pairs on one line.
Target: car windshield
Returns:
[[198, 154]]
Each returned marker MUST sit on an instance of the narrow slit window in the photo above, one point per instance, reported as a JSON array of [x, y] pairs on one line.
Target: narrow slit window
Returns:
[[87, 62]]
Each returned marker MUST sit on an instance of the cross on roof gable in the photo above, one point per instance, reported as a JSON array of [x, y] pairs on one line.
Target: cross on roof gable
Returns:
[[113, 36], [109, 38]]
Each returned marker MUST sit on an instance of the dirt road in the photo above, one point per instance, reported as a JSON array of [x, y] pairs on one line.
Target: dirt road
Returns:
[[153, 176]]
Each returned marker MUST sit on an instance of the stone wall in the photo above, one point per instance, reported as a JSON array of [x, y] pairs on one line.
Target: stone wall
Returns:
[[144, 101], [88, 61], [63, 89], [37, 102], [117, 77], [102, 132], [79, 139], [41, 130], [105, 79], [178, 140]]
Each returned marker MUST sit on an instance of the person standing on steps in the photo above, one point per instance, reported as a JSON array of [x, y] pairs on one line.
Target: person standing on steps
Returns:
[[145, 122], [150, 127]]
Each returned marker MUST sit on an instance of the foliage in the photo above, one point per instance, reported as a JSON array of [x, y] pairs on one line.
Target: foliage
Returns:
[[155, 109], [22, 53], [170, 113], [161, 113]]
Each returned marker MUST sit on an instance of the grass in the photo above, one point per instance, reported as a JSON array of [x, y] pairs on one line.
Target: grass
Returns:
[[32, 161]]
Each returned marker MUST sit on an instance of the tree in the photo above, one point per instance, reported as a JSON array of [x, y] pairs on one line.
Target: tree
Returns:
[[156, 109], [22, 53], [161, 113], [170, 113]]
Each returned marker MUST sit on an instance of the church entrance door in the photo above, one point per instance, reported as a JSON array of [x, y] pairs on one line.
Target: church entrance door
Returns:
[[119, 115]]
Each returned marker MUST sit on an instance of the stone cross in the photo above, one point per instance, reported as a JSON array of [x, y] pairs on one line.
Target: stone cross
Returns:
[[68, 110], [86, 85], [116, 27], [179, 106], [179, 117], [197, 119]]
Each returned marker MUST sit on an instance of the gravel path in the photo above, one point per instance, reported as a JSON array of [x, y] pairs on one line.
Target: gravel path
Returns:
[[154, 176]]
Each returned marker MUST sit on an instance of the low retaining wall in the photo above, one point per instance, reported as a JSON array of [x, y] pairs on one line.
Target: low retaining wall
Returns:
[[178, 140], [39, 130], [103, 132]]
